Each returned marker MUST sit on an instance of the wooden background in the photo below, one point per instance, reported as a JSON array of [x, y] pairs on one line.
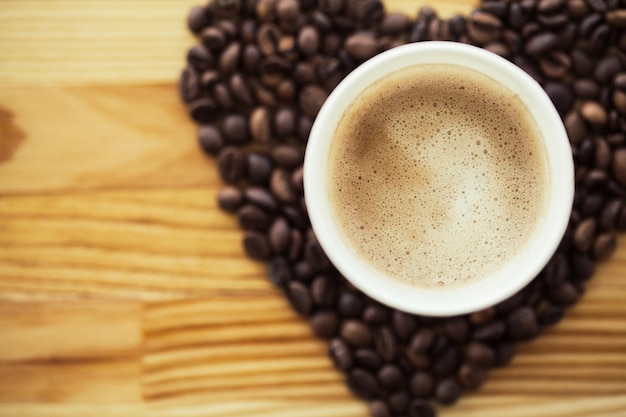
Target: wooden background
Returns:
[[124, 290]]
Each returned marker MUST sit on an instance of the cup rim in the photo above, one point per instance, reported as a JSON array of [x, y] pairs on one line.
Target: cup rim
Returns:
[[522, 268]]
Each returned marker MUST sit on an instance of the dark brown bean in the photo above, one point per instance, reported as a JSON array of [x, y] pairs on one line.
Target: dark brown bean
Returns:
[[231, 164], [594, 113], [340, 354], [363, 383], [541, 43], [240, 90], [483, 27], [479, 354], [324, 323], [356, 333], [421, 384], [284, 122], [390, 377], [522, 324], [256, 245], [230, 58], [251, 217], [279, 271], [350, 304], [223, 96], [604, 246], [385, 343], [230, 198], [279, 235], [368, 359], [260, 127], [610, 215], [616, 18], [584, 234], [471, 377], [311, 99], [448, 391], [489, 332], [504, 353], [210, 139], [421, 408], [379, 408], [235, 128], [361, 46]]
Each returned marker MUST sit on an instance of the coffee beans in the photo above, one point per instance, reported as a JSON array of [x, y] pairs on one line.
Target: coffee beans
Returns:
[[257, 79]]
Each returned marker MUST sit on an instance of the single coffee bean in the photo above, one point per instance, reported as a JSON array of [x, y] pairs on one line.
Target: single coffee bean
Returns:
[[422, 340], [584, 234], [305, 124], [619, 101], [251, 57], [229, 59], [600, 39], [582, 64], [310, 100], [259, 168], [356, 333], [260, 127], [447, 391], [231, 164], [287, 156], [489, 332], [597, 5], [224, 98], [297, 179], [582, 266], [299, 296], [379, 408], [394, 23], [230, 198], [368, 358], [604, 246], [421, 384], [251, 217], [324, 323], [297, 241], [213, 38], [483, 27], [385, 343], [198, 19], [390, 377], [594, 113], [286, 90], [563, 294], [482, 316], [303, 271], [210, 139], [555, 64], [522, 324], [235, 128], [398, 402], [350, 304], [323, 290], [203, 110], [363, 383], [189, 85], [267, 37], [588, 24], [610, 214], [200, 58], [308, 41], [471, 377], [279, 235], [241, 90], [281, 186], [550, 6], [607, 68], [479, 354], [361, 46], [421, 408], [256, 245], [456, 329], [340, 354], [375, 314], [592, 204], [285, 122], [279, 271], [603, 153], [210, 79], [586, 88], [541, 43]]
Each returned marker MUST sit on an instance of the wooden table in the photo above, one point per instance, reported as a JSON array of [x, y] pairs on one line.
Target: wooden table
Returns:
[[124, 290]]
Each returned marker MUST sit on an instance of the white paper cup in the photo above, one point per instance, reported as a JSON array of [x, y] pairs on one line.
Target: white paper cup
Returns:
[[520, 269]]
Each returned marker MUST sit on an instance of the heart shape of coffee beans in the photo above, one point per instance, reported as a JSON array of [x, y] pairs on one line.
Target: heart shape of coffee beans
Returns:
[[254, 84]]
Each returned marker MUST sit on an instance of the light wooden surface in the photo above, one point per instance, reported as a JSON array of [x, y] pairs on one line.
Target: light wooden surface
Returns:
[[124, 290]]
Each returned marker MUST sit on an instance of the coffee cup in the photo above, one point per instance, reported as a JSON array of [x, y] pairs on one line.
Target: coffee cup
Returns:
[[438, 178]]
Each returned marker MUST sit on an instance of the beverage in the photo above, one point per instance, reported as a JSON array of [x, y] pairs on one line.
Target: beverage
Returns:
[[438, 175]]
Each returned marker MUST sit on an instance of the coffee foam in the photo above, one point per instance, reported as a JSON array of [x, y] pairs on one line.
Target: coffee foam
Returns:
[[437, 175]]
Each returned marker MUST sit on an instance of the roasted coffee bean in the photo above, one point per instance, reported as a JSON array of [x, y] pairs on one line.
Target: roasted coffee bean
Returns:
[[200, 58], [287, 9], [379, 408], [281, 187], [479, 354], [616, 18], [582, 266], [607, 68], [308, 40], [286, 90], [446, 363], [530, 29], [600, 39], [619, 165], [456, 329], [230, 198], [222, 95], [483, 27], [278, 271], [284, 122], [189, 85], [361, 46], [592, 204], [604, 246], [299, 296], [610, 214], [582, 64], [550, 6], [297, 179], [471, 377], [588, 24], [267, 37], [556, 65], [210, 139], [297, 242], [541, 43], [287, 156], [303, 271], [256, 245], [231, 163], [603, 153], [368, 358], [251, 217], [241, 90], [421, 384], [375, 314], [260, 127], [421, 408], [522, 324], [584, 234], [310, 100], [385, 343], [229, 59], [210, 79], [324, 323], [563, 294], [356, 333], [304, 73], [213, 38], [323, 290], [394, 23], [390, 377], [594, 113], [489, 332], [203, 110], [422, 340], [259, 168], [279, 235], [398, 402], [198, 19], [251, 57], [586, 88], [340, 354], [557, 270], [350, 304], [363, 383], [504, 353], [447, 391], [235, 128], [619, 101]]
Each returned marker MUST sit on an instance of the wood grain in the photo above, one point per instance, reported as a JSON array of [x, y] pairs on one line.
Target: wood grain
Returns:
[[124, 290]]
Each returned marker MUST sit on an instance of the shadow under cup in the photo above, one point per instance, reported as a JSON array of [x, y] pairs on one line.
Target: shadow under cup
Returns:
[[519, 269]]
